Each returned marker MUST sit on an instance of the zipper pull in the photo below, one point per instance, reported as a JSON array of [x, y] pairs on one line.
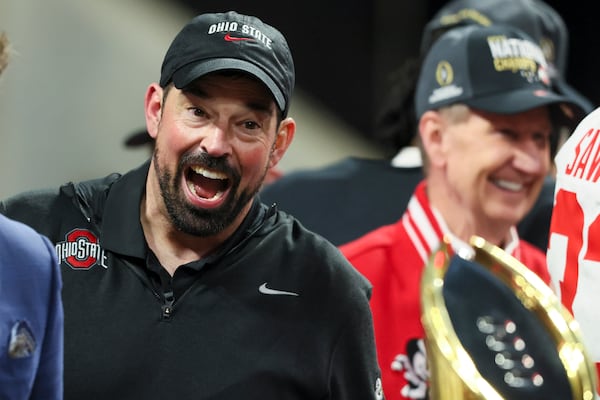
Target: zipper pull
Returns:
[[167, 307]]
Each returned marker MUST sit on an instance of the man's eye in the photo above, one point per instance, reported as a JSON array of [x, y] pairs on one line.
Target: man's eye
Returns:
[[198, 112], [251, 125]]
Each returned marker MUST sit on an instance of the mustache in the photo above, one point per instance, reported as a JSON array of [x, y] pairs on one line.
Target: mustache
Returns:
[[205, 160]]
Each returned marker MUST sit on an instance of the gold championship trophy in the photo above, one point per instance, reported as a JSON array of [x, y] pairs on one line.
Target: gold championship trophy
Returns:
[[495, 330]]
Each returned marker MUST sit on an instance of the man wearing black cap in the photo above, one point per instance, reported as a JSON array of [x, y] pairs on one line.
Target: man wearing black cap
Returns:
[[486, 114], [178, 282], [363, 194]]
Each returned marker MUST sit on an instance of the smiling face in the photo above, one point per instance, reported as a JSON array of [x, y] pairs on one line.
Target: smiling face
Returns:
[[215, 142], [486, 168]]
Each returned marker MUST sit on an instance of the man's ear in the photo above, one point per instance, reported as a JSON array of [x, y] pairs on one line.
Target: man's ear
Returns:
[[153, 108], [285, 135], [431, 126]]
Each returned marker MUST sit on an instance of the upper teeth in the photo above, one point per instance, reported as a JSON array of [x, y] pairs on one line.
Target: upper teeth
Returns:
[[208, 174], [514, 186]]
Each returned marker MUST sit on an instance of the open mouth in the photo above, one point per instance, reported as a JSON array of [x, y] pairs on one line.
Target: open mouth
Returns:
[[509, 185], [206, 184]]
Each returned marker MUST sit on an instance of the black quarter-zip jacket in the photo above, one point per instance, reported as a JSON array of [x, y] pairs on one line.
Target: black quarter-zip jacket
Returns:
[[276, 313]]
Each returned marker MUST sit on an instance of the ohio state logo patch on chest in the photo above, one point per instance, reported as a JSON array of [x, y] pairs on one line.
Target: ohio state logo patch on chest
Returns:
[[81, 250]]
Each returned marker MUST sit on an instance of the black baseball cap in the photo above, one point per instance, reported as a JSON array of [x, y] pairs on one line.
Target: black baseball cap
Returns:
[[138, 138], [534, 17], [499, 69], [231, 41]]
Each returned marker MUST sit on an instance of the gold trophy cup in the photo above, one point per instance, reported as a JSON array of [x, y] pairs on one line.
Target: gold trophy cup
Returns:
[[495, 330]]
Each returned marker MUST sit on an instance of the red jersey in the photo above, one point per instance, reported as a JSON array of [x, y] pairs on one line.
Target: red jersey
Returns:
[[392, 258], [574, 241]]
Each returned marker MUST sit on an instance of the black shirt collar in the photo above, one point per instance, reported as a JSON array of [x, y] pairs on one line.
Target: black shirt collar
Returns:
[[122, 228]]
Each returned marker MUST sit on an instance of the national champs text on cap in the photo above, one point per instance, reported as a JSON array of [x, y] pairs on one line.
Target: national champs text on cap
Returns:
[[534, 17], [497, 69]]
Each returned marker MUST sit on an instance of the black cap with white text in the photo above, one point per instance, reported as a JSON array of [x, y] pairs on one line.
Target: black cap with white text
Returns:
[[231, 41]]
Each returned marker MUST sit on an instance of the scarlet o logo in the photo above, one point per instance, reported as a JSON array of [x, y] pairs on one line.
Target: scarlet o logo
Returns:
[[82, 248]]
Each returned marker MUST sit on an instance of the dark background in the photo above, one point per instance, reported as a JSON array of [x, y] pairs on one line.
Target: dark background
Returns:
[[345, 51]]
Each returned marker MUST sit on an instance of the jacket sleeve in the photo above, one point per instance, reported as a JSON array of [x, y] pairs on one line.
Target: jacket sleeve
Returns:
[[48, 383]]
